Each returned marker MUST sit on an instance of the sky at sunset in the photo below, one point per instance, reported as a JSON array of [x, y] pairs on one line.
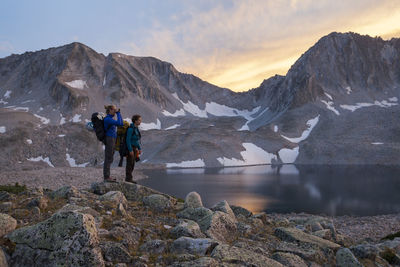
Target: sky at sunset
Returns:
[[233, 44]]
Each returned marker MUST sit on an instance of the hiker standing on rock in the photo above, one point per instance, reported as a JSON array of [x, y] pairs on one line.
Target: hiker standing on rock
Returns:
[[133, 137], [111, 135]]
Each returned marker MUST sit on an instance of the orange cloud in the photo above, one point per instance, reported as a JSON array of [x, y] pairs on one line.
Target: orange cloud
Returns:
[[239, 45]]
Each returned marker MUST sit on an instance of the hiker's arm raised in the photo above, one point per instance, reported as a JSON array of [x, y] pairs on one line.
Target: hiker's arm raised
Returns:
[[119, 119], [117, 122]]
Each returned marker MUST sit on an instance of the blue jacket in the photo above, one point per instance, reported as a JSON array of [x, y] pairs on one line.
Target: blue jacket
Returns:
[[133, 137], [110, 124]]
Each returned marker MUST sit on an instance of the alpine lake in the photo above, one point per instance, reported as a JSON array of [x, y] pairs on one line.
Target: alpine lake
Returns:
[[334, 190]]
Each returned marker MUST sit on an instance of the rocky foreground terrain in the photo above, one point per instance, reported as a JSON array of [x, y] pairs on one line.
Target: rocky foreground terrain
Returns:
[[126, 224]]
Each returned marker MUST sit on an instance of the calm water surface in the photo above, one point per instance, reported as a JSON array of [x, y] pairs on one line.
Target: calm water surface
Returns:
[[331, 190]]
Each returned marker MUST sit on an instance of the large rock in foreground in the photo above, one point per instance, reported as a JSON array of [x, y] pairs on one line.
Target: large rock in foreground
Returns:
[[219, 226], [65, 239], [296, 235], [7, 224], [242, 257]]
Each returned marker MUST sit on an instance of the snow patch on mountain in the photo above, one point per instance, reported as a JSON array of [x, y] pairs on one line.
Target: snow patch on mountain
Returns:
[[289, 155], [310, 124], [377, 143], [26, 109], [253, 155], [222, 110], [3, 102], [150, 126], [2, 129], [29, 141], [329, 96], [348, 90], [72, 162], [180, 112], [76, 118], [329, 105], [7, 94], [383, 104], [276, 128], [173, 127], [78, 84], [199, 163], [42, 119], [62, 120], [40, 158]]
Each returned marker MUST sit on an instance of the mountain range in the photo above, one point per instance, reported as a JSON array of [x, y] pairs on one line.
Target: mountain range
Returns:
[[337, 104]]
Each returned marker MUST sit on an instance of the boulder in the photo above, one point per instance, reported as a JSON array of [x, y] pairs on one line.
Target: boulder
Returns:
[[66, 192], [365, 251], [392, 244], [325, 234], [306, 252], [289, 259], [242, 257], [224, 207], [157, 202], [315, 226], [115, 252], [128, 235], [7, 224], [114, 198], [296, 235], [66, 238], [193, 200], [344, 258], [187, 228], [132, 192], [237, 210], [197, 246], [219, 226], [194, 214], [155, 246]]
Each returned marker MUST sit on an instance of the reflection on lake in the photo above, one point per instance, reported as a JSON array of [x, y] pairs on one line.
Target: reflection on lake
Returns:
[[317, 189]]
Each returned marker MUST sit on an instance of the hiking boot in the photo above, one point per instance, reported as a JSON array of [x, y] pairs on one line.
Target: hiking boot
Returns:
[[110, 179], [130, 181]]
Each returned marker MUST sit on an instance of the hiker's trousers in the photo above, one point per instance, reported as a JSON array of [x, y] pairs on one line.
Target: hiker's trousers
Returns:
[[130, 165], [108, 156]]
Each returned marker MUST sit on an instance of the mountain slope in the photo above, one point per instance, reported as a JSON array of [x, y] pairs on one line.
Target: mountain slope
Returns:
[[337, 104]]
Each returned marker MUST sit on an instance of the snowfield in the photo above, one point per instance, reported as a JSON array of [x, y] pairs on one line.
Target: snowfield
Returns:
[[288, 155], [76, 118], [253, 155], [383, 104], [150, 126], [78, 84], [42, 119], [40, 158], [72, 162], [199, 163], [311, 124], [173, 127]]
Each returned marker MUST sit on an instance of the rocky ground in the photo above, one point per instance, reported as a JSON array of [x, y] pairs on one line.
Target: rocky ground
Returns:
[[125, 224]]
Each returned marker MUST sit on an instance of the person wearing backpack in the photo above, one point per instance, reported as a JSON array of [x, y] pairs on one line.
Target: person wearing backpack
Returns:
[[111, 135], [133, 137]]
